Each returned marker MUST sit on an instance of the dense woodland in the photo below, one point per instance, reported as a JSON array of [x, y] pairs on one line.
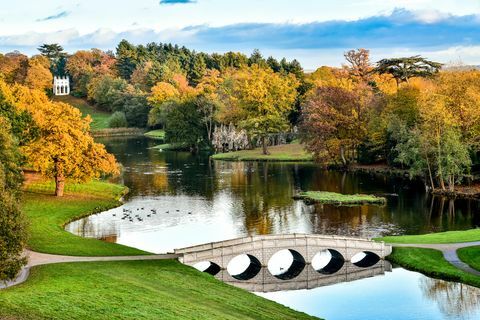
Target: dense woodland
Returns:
[[404, 112]]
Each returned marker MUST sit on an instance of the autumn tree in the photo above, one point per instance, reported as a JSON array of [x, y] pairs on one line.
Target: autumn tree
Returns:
[[334, 124], [403, 69], [13, 67], [64, 149], [462, 100], [38, 74], [359, 66], [264, 99], [209, 101]]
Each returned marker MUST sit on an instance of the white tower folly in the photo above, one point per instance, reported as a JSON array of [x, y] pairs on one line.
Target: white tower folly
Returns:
[[61, 86]]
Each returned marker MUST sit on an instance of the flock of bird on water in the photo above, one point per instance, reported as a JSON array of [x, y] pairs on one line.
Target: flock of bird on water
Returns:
[[128, 214]]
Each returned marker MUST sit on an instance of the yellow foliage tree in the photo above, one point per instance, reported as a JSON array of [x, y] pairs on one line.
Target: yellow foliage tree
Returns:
[[461, 91], [64, 149], [265, 98], [162, 92], [38, 73]]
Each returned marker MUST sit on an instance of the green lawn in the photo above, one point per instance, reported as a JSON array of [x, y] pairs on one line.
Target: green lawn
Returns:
[[163, 289], [285, 152], [440, 237], [431, 263], [48, 214], [340, 199], [99, 118], [471, 256], [156, 134]]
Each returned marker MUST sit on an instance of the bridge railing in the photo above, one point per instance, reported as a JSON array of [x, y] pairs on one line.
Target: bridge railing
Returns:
[[300, 238]]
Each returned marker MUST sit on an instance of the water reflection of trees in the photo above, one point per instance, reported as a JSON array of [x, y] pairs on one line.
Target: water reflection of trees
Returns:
[[89, 228], [453, 299], [264, 192], [261, 193]]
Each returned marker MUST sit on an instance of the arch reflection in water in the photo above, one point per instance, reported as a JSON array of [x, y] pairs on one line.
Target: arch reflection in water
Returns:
[[286, 264], [207, 267], [244, 267], [365, 259], [327, 261], [264, 281]]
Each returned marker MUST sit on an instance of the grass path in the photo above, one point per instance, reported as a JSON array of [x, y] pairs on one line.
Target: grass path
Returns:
[[432, 263], [452, 255], [449, 252]]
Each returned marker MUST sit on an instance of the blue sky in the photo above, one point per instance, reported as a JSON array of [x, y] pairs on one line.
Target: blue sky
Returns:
[[316, 32]]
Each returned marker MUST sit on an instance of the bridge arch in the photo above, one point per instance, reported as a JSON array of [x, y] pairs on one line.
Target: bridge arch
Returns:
[[208, 267], [286, 264], [365, 259], [328, 261], [244, 267]]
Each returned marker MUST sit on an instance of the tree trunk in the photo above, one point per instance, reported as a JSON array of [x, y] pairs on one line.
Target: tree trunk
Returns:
[[264, 146], [342, 155], [59, 185], [59, 179], [430, 174]]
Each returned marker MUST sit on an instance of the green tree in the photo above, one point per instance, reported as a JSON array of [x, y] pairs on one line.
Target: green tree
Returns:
[[196, 70], [117, 120], [12, 223], [257, 58], [184, 125], [106, 91], [54, 52], [126, 59], [402, 69]]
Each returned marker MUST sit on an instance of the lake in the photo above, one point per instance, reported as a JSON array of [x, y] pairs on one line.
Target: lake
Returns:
[[178, 199]]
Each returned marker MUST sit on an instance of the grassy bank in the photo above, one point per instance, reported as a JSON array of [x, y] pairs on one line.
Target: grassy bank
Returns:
[[471, 256], [431, 263], [156, 134], [99, 118], [118, 132], [440, 237], [285, 152], [133, 290], [339, 199], [162, 289], [48, 214]]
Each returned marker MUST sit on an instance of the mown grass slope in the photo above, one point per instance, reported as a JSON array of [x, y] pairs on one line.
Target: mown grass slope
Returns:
[[162, 289]]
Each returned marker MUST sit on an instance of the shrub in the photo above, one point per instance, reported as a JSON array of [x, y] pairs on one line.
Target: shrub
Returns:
[[117, 120]]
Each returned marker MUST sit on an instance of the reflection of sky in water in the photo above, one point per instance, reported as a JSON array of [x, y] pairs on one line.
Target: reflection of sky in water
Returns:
[[214, 220], [396, 295]]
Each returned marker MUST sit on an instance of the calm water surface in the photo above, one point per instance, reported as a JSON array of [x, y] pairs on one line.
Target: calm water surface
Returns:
[[177, 200]]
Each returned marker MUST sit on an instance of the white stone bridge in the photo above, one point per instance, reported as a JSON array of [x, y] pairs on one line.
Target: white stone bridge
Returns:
[[288, 261]]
